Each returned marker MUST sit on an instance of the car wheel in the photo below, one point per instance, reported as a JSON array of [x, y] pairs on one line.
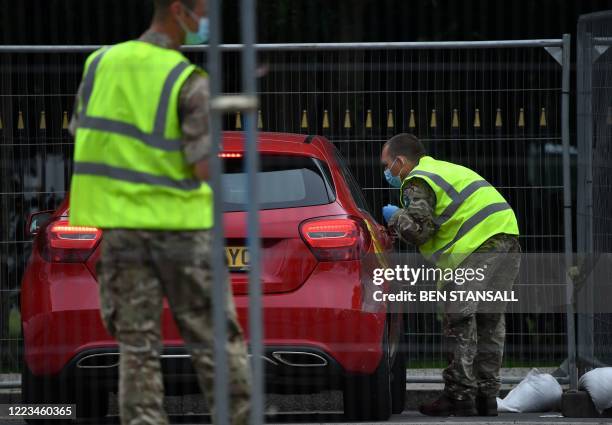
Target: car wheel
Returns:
[[368, 398], [45, 390], [398, 383]]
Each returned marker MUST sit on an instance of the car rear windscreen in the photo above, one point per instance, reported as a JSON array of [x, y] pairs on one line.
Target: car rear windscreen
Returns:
[[283, 182]]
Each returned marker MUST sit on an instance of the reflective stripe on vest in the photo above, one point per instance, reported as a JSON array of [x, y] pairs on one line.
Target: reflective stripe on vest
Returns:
[[156, 139], [470, 223], [117, 173], [457, 197], [126, 174], [466, 216]]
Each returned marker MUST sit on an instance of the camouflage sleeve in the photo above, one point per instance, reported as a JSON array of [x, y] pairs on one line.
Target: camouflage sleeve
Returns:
[[74, 121], [415, 223], [193, 111]]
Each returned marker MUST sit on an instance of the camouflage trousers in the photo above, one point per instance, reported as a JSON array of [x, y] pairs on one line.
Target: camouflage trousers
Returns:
[[136, 270], [474, 336]]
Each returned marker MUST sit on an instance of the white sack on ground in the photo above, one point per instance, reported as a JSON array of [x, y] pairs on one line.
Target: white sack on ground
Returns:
[[538, 392], [598, 383]]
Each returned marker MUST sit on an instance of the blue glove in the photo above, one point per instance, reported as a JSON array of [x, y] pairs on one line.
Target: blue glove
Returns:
[[388, 210]]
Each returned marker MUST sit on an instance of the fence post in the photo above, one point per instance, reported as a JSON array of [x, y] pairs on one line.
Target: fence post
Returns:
[[249, 89], [567, 211], [221, 389], [584, 128]]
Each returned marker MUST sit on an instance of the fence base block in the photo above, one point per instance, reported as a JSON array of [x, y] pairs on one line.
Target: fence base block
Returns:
[[578, 404]]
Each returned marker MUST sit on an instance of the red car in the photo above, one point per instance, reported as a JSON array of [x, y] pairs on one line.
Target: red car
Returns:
[[315, 231]]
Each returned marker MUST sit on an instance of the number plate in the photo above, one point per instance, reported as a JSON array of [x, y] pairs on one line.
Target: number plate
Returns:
[[237, 258]]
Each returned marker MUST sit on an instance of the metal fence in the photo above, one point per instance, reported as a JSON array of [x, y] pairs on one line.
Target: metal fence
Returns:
[[495, 107], [594, 186]]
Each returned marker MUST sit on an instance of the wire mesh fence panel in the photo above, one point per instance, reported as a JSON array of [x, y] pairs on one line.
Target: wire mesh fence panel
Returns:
[[36, 95], [594, 131], [496, 110]]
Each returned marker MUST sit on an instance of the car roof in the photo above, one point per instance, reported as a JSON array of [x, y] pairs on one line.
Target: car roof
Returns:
[[288, 143]]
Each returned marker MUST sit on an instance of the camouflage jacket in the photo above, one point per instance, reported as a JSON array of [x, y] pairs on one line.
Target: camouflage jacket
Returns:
[[415, 223], [192, 108]]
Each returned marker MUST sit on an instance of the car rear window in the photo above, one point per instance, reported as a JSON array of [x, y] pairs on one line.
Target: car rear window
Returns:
[[283, 181]]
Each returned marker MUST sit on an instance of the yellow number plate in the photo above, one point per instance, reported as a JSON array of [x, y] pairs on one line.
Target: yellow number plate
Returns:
[[237, 258]]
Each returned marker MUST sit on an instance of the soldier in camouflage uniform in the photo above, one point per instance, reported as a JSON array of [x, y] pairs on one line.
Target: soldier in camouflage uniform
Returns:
[[476, 337], [138, 268]]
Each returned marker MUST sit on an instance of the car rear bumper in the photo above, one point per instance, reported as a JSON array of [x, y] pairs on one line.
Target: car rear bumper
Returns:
[[324, 315], [98, 370]]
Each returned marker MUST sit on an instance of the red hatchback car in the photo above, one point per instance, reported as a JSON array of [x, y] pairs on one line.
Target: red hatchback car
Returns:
[[315, 231]]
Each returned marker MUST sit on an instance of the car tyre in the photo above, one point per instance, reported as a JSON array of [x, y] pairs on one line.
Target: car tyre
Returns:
[[368, 398], [398, 383]]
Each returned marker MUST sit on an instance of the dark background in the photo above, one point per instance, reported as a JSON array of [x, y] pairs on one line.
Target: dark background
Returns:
[[35, 164], [109, 21]]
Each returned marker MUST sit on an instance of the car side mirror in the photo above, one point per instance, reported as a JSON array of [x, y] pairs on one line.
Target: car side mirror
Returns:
[[36, 221]]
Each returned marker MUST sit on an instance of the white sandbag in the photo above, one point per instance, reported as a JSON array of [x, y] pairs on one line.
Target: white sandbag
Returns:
[[538, 392], [598, 383]]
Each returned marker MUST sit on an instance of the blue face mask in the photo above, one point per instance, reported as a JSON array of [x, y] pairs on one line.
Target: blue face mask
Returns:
[[394, 181], [201, 35]]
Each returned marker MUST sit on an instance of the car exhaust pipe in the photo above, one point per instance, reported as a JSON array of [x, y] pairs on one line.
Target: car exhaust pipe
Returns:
[[110, 360], [269, 360], [99, 361], [299, 359]]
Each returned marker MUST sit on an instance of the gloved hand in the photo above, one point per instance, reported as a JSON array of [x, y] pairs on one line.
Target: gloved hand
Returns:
[[388, 210]]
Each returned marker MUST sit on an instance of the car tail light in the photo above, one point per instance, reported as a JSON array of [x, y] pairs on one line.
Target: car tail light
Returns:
[[62, 243], [336, 238], [229, 155]]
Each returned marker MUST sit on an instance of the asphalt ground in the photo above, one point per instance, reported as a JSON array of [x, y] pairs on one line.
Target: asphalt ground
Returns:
[[324, 408], [407, 417]]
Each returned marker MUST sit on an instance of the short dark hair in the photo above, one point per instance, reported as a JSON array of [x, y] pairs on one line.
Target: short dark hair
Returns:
[[406, 145], [162, 5]]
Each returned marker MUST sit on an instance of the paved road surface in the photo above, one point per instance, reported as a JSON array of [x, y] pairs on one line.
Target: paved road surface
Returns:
[[408, 417]]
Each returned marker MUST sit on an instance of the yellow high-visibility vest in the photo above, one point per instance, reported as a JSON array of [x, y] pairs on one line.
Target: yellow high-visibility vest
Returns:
[[468, 211], [129, 170]]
